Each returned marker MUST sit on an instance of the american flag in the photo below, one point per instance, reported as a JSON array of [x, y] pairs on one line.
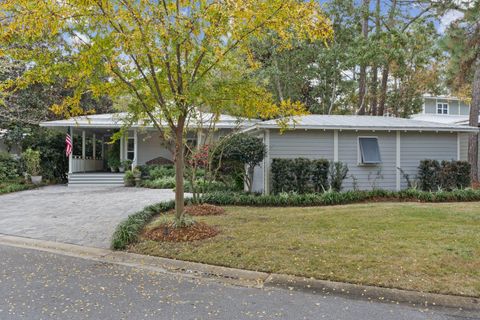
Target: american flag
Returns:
[[68, 145]]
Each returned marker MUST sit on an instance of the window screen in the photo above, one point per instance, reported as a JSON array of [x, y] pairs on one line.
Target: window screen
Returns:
[[369, 150]]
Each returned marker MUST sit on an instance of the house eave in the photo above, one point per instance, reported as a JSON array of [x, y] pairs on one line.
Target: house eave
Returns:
[[364, 128]]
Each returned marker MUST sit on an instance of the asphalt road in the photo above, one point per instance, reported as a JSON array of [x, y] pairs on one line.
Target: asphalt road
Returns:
[[41, 285]]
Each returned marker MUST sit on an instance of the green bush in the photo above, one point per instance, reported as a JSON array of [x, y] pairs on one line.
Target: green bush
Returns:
[[162, 171], [283, 178], [15, 186], [160, 183], [337, 173], [447, 175], [128, 230], [336, 198], [51, 144], [32, 162], [129, 178], [303, 171], [303, 175], [8, 167], [320, 175]]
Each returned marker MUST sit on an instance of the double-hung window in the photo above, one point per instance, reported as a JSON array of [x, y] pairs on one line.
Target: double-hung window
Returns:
[[369, 151], [131, 148], [442, 108]]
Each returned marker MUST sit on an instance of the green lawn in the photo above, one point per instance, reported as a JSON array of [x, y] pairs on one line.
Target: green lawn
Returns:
[[427, 247]]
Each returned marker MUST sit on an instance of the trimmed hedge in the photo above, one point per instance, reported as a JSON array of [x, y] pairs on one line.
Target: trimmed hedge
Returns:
[[9, 187], [337, 198], [9, 167], [447, 175], [300, 175], [127, 231]]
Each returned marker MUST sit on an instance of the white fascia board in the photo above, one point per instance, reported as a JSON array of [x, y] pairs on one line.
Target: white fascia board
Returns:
[[428, 129]]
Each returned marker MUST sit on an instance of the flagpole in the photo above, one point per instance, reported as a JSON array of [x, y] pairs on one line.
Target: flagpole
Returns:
[[70, 156]]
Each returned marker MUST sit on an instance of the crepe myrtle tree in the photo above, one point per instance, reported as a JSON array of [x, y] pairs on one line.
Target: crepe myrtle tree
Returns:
[[159, 59], [246, 150]]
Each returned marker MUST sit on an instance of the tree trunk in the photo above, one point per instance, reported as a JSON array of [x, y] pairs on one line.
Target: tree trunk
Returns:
[[362, 81], [473, 121], [179, 172], [374, 87], [250, 172], [386, 66], [383, 90]]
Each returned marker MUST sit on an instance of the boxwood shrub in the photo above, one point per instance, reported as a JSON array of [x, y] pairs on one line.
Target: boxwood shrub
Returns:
[[300, 175], [446, 175]]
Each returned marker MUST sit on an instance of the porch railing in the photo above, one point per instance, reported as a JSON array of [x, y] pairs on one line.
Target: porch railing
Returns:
[[86, 165]]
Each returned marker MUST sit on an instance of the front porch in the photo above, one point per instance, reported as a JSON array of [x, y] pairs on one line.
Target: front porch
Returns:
[[96, 160]]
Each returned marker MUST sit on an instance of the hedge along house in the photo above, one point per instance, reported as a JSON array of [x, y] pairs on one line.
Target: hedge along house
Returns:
[[374, 148], [141, 143]]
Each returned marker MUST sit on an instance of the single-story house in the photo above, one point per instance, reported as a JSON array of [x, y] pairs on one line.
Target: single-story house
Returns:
[[141, 142], [374, 148]]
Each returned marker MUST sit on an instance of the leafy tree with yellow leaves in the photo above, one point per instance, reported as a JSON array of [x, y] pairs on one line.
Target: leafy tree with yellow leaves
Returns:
[[164, 59]]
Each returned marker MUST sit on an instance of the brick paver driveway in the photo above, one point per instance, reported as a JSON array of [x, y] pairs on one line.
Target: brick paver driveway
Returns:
[[78, 215]]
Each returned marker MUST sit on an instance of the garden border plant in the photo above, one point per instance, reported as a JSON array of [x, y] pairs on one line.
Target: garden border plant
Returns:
[[128, 231]]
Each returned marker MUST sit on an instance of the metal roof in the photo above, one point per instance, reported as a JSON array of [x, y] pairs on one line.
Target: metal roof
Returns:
[[447, 118], [117, 120], [346, 122]]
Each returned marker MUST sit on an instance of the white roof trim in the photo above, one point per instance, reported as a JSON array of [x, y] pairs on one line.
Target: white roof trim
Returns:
[[368, 123]]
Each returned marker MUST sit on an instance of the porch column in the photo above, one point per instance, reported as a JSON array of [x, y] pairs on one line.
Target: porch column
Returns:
[[122, 143], [94, 146], [70, 156], [135, 148], [83, 150]]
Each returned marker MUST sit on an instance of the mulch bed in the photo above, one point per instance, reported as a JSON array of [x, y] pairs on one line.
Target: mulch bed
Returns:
[[166, 232], [204, 210]]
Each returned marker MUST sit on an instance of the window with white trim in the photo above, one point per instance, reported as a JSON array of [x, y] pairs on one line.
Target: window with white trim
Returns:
[[131, 148], [369, 151], [442, 108]]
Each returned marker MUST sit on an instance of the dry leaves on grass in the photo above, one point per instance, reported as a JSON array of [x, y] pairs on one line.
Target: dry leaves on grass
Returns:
[[204, 210], [166, 232]]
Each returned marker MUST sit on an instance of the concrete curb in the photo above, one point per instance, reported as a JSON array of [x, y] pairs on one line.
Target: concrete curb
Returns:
[[245, 277], [380, 294]]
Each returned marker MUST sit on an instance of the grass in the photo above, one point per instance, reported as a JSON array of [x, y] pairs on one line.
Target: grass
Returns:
[[14, 186], [416, 246]]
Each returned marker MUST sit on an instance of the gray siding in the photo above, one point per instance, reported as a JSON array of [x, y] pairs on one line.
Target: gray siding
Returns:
[[430, 107], [463, 146], [151, 146], [380, 176], [312, 144], [414, 146], [417, 146], [456, 107]]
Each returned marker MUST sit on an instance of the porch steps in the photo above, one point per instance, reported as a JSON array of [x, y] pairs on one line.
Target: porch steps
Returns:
[[95, 179]]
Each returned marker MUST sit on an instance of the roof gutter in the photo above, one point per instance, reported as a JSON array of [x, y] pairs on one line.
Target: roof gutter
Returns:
[[313, 127]]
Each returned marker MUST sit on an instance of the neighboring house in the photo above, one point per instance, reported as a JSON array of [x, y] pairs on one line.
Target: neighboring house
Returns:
[[447, 110], [372, 147]]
